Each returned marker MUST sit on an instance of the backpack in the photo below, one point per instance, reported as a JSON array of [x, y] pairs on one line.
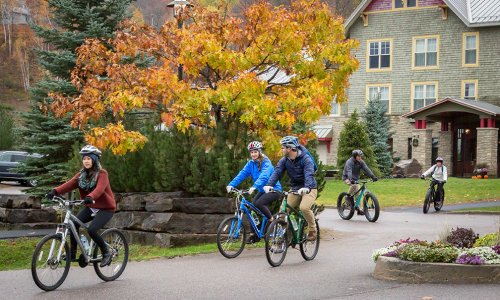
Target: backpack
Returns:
[[434, 170], [312, 158]]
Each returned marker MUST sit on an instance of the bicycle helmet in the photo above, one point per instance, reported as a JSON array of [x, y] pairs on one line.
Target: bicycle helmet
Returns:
[[89, 149], [439, 158], [255, 145], [290, 142], [356, 153]]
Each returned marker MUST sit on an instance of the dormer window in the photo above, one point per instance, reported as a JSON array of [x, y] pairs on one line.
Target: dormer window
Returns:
[[405, 3]]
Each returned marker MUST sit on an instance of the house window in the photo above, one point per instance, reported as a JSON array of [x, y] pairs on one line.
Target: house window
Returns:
[[410, 148], [425, 52], [335, 110], [423, 94], [469, 89], [435, 149], [379, 55], [382, 92], [405, 3], [470, 44]]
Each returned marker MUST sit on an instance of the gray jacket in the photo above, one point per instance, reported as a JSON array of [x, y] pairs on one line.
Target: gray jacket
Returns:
[[352, 169]]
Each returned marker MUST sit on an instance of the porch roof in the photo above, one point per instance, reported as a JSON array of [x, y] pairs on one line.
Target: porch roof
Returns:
[[323, 132], [447, 105]]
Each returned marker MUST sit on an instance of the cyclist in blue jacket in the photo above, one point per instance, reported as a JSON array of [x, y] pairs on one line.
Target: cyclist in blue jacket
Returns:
[[260, 168], [300, 169]]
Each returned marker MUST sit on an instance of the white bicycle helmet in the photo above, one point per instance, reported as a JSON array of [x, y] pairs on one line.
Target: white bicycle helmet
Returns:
[[89, 149], [255, 145], [356, 153]]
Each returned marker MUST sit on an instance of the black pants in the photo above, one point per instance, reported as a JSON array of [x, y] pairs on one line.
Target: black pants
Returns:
[[99, 220], [439, 192], [263, 200]]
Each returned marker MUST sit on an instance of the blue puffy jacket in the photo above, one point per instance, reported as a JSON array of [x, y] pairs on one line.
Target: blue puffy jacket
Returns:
[[300, 170], [259, 177]]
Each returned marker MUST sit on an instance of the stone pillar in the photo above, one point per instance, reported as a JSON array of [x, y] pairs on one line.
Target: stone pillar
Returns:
[[487, 148], [446, 149], [423, 151]]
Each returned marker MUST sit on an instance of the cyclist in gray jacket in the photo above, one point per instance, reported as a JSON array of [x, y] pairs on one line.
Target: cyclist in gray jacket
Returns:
[[352, 169]]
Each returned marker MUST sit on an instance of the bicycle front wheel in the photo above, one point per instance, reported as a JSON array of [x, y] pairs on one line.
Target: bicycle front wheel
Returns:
[[231, 237], [276, 242], [309, 249], [371, 207], [50, 262], [118, 245], [438, 204], [427, 202], [345, 206]]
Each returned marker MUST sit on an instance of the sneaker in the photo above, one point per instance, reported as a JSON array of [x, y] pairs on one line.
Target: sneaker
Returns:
[[311, 236], [252, 238], [360, 212], [106, 259]]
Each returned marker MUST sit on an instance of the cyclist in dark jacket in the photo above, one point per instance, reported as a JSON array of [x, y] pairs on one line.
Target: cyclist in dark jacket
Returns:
[[352, 170], [300, 169]]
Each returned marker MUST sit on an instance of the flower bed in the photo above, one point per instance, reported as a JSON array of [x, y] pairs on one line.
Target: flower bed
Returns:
[[413, 260]]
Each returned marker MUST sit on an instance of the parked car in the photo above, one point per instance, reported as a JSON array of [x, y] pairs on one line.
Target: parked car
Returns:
[[9, 160]]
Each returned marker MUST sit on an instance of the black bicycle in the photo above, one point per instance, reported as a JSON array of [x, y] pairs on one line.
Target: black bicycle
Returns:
[[433, 196], [51, 258]]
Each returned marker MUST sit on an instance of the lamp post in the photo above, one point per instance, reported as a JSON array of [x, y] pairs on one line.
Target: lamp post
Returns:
[[178, 7]]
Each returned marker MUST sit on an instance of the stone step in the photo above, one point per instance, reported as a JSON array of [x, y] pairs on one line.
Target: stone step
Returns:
[[167, 239], [13, 215], [19, 201], [27, 226]]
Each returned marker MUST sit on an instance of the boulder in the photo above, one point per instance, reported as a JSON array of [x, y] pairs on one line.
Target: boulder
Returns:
[[167, 239], [200, 205], [19, 201], [137, 201], [407, 168]]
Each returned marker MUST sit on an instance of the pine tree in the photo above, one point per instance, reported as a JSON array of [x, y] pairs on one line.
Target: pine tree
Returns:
[[7, 135], [76, 20], [354, 136], [377, 123]]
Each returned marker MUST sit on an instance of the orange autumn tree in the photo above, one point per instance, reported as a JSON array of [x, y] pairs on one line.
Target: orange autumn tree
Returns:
[[262, 72]]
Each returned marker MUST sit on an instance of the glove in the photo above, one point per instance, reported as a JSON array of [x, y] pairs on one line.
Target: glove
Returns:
[[268, 189], [374, 179], [88, 200], [422, 177], [51, 194], [353, 182], [251, 190], [444, 181], [303, 191], [229, 188]]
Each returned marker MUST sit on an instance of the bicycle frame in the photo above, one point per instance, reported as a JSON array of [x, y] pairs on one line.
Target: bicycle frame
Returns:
[[243, 207], [63, 230], [296, 239], [361, 192]]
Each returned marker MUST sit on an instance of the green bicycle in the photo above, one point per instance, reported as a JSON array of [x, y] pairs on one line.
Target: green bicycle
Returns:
[[346, 205], [290, 228]]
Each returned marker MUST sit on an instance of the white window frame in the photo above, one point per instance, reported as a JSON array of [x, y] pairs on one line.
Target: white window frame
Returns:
[[414, 48], [425, 84], [464, 83], [378, 86], [464, 48]]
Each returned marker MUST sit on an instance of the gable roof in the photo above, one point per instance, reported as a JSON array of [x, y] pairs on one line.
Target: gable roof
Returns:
[[474, 13], [474, 105]]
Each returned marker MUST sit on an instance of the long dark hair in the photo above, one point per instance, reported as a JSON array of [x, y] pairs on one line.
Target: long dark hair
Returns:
[[96, 167]]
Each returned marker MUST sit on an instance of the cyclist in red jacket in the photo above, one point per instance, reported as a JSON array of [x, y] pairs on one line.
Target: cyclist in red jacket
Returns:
[[93, 184]]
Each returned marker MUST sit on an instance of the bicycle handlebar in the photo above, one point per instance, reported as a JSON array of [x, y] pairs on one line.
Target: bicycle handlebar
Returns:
[[62, 201]]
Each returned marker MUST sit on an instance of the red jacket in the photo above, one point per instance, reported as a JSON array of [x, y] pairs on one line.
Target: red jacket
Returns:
[[102, 193]]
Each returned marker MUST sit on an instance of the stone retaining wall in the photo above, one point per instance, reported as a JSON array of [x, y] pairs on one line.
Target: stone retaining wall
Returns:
[[24, 211], [170, 219]]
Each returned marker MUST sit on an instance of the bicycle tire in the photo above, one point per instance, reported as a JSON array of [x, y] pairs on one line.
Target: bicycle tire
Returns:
[[118, 243], [276, 242], [38, 257], [439, 204], [344, 202], [224, 243], [427, 201], [371, 216], [305, 243]]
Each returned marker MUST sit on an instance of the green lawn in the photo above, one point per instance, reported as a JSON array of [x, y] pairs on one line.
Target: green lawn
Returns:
[[16, 253], [411, 191], [482, 209]]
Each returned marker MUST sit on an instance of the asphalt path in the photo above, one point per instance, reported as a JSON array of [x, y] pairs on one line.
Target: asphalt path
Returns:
[[341, 270]]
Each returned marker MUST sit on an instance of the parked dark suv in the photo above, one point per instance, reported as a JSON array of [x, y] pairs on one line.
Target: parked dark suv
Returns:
[[9, 160]]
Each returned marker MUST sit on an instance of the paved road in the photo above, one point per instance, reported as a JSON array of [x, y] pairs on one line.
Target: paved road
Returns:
[[340, 271]]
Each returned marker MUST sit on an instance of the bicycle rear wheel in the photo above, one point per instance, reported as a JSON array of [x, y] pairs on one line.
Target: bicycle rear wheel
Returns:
[[427, 202], [230, 238], [48, 272], [276, 242], [118, 245], [371, 207], [309, 249], [345, 206], [439, 203]]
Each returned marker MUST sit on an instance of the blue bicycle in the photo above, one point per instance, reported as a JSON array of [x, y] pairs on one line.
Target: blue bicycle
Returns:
[[231, 234]]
